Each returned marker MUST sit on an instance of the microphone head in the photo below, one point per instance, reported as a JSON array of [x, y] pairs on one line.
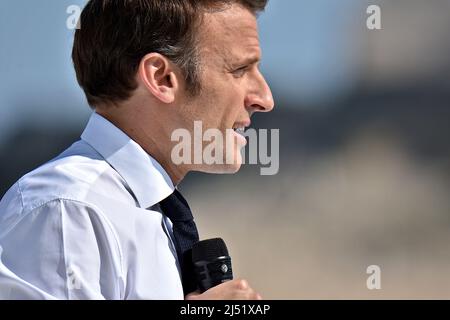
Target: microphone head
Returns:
[[212, 264], [208, 250]]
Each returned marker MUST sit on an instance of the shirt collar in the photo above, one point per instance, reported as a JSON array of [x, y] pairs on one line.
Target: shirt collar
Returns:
[[146, 178]]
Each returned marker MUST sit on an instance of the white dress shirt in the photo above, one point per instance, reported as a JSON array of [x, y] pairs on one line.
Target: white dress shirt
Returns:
[[77, 227]]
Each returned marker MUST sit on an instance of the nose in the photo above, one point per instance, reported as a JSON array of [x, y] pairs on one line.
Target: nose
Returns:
[[260, 98]]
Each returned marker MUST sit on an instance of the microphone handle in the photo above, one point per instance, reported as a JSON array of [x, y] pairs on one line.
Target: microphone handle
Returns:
[[212, 273]]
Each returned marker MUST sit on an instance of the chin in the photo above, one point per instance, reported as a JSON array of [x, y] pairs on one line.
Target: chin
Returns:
[[232, 168], [235, 166], [222, 169]]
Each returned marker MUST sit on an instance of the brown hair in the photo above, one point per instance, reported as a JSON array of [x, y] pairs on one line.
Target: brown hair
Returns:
[[114, 36]]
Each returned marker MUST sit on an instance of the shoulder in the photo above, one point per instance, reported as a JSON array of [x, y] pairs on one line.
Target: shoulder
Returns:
[[61, 201], [79, 175]]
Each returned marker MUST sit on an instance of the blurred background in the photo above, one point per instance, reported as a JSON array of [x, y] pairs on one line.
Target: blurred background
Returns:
[[364, 121]]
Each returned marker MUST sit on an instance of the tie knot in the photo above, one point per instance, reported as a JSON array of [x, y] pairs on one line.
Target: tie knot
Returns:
[[176, 208]]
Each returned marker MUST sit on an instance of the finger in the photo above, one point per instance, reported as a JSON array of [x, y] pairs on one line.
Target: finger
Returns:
[[193, 295]]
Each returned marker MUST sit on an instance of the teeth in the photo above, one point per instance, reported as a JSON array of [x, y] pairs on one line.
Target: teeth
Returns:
[[240, 130]]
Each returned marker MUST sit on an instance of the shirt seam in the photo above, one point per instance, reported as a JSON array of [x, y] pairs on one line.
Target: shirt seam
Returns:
[[62, 248], [97, 210], [21, 196]]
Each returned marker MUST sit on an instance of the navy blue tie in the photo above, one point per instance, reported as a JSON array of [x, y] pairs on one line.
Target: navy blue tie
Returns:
[[185, 234]]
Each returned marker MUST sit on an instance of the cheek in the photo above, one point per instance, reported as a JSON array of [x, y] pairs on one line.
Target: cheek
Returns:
[[233, 106], [221, 105], [222, 112]]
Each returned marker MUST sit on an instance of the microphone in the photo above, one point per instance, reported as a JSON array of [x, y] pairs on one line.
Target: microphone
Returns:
[[212, 264]]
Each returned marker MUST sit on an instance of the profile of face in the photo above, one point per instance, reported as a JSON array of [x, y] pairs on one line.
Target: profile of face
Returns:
[[232, 86]]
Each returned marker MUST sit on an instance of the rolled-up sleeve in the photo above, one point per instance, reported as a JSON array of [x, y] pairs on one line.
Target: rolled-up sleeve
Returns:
[[62, 249]]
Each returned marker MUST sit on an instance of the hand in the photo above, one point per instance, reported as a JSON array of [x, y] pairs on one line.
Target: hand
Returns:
[[231, 290]]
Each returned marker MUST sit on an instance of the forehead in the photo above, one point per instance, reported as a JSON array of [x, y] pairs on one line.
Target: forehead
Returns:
[[230, 34]]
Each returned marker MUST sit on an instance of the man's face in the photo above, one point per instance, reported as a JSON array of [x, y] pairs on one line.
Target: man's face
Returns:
[[232, 86]]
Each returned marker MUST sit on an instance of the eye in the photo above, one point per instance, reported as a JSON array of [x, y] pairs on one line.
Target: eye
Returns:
[[240, 71]]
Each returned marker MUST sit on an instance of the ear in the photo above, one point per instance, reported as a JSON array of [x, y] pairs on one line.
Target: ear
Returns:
[[158, 75]]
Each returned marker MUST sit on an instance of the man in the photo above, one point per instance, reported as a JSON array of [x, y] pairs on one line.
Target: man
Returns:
[[104, 219]]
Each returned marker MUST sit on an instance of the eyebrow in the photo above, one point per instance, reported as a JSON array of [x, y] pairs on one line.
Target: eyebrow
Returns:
[[248, 61]]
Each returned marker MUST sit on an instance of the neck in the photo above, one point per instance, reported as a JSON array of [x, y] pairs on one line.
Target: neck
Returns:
[[151, 137], [176, 173]]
